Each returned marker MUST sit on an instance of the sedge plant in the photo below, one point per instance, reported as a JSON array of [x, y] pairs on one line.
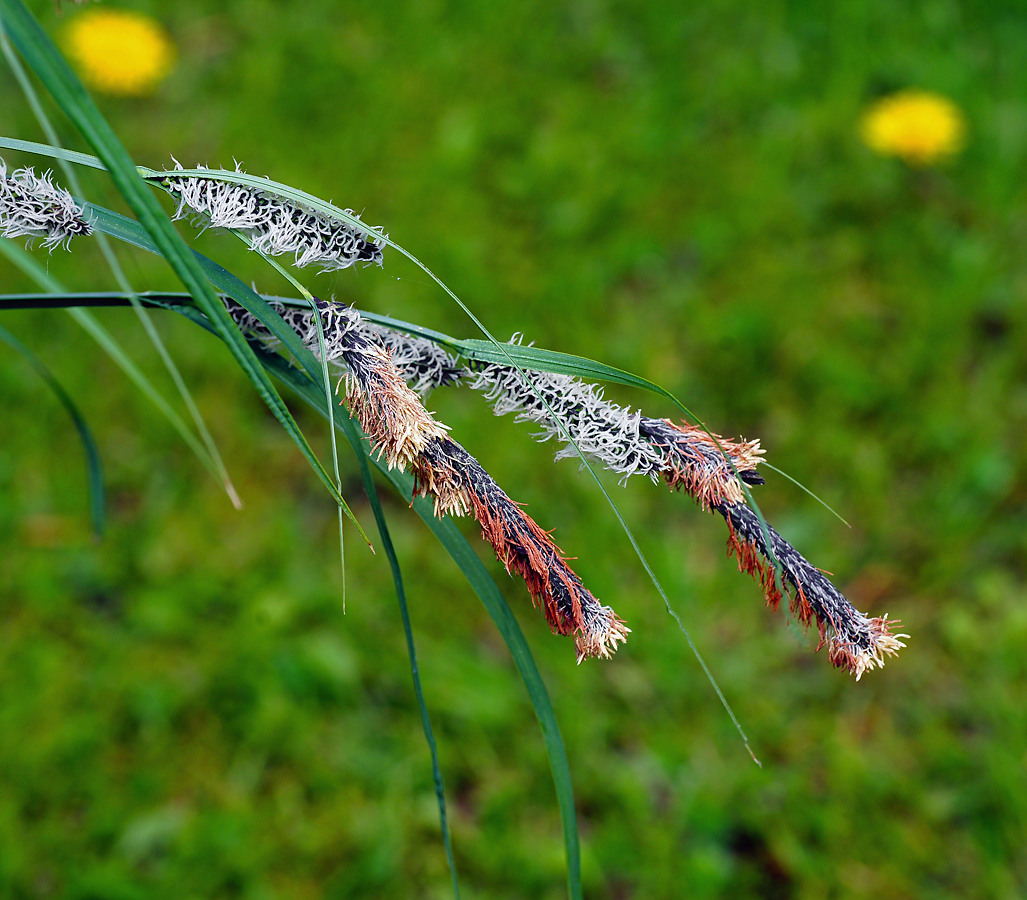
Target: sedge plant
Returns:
[[369, 376]]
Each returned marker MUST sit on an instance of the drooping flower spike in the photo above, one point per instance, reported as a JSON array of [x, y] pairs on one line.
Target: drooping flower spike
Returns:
[[274, 225], [688, 458], [626, 442], [855, 642], [405, 435], [32, 206]]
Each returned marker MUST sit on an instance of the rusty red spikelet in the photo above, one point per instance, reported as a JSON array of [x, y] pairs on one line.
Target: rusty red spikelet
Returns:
[[525, 548], [856, 642], [694, 463]]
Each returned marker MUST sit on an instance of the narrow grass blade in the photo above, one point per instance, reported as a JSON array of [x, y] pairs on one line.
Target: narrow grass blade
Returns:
[[72, 156], [485, 587], [360, 450], [97, 492], [488, 592], [48, 64]]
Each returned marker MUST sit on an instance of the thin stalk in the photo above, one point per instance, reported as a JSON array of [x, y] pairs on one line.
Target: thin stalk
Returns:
[[349, 428], [803, 487]]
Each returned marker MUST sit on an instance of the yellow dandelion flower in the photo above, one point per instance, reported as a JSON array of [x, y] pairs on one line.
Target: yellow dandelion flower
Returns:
[[119, 52], [918, 126]]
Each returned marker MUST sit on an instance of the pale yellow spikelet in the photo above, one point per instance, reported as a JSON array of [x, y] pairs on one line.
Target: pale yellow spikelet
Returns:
[[883, 644], [600, 634]]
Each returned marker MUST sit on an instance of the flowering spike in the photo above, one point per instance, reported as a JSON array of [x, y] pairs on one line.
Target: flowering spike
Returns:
[[275, 225], [422, 364], [686, 457], [32, 206], [625, 442]]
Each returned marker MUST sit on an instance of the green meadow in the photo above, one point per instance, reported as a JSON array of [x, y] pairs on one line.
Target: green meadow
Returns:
[[187, 709]]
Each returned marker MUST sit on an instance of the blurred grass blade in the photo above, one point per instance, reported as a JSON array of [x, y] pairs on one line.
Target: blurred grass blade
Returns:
[[27, 263], [97, 492], [48, 64], [485, 587], [362, 453]]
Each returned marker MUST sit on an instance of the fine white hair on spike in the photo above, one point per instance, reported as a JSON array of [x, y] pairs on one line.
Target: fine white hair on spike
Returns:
[[32, 206], [575, 412], [603, 430], [275, 226]]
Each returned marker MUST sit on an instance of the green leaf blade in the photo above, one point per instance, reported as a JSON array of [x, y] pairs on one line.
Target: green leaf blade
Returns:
[[94, 467]]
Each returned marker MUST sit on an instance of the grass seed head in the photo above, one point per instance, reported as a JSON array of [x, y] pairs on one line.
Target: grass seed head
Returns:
[[855, 642], [32, 206], [274, 225]]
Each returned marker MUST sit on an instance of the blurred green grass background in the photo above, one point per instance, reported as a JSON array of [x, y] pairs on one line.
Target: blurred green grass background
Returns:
[[186, 712]]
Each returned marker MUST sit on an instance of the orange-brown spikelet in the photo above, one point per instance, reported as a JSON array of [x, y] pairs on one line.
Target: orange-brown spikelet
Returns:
[[391, 414], [695, 464], [393, 418]]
